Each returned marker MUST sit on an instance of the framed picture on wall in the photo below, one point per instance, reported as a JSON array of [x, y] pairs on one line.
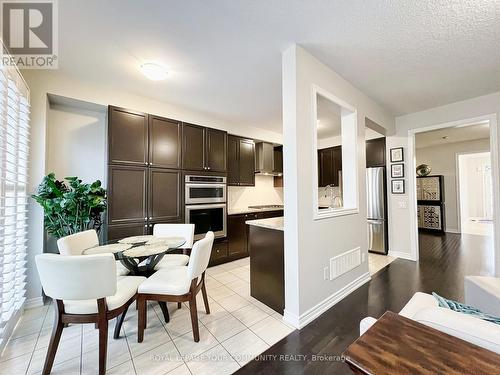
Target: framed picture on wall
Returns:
[[398, 186], [397, 154], [397, 170]]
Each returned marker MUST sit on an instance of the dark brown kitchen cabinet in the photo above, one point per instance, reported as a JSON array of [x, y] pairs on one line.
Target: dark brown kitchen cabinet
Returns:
[[278, 166], [219, 252], [247, 162], [127, 189], [233, 164], [205, 149], [193, 146], [337, 165], [164, 142], [237, 231], [375, 152], [216, 150], [237, 234], [329, 166], [325, 166], [278, 159], [119, 231], [164, 195], [144, 179], [241, 161], [269, 214], [146, 156], [127, 137]]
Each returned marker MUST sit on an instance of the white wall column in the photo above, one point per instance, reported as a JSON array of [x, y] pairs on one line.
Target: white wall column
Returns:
[[310, 243]]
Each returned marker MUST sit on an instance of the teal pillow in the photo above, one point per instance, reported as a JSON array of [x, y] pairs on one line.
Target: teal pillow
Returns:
[[465, 309]]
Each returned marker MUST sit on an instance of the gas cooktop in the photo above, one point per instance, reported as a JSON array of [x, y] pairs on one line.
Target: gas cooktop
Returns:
[[266, 206]]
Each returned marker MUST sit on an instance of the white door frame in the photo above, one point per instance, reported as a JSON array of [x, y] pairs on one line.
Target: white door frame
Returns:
[[412, 175], [457, 175]]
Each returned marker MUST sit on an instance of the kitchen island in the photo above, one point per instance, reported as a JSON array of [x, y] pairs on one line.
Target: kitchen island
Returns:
[[267, 266]]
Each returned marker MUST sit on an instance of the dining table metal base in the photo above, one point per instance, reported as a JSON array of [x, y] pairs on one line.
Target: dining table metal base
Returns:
[[164, 310], [141, 266]]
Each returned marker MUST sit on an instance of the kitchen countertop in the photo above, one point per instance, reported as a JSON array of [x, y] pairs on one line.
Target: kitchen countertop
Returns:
[[271, 223], [246, 210]]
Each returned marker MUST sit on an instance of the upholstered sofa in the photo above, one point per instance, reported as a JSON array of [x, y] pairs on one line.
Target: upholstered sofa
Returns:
[[483, 293], [424, 309]]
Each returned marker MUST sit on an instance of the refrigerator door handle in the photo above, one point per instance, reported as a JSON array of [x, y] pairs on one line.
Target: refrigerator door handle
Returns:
[[376, 221]]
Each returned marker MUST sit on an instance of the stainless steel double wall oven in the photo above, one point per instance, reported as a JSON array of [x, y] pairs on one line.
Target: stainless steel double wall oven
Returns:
[[205, 204]]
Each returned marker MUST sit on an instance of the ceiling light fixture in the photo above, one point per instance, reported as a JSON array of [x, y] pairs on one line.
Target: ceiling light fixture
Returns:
[[154, 72]]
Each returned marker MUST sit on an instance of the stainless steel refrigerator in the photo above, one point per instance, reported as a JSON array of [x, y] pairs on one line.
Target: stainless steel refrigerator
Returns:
[[376, 193]]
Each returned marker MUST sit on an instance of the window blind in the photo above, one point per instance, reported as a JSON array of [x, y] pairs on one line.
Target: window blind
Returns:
[[14, 150]]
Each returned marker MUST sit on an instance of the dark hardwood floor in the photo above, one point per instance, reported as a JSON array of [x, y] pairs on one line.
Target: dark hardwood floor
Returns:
[[444, 261]]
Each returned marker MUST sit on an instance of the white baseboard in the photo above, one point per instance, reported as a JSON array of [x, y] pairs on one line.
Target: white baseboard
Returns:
[[311, 314], [401, 255], [33, 302], [452, 230], [291, 319]]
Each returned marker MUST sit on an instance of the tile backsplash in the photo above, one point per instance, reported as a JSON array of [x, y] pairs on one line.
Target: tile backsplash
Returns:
[[263, 192], [324, 195]]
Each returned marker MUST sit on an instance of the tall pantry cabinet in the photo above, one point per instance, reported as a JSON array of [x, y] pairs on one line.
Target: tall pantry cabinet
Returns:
[[144, 172]]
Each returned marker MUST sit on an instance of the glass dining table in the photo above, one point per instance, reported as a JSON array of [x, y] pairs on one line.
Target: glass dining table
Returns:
[[140, 255]]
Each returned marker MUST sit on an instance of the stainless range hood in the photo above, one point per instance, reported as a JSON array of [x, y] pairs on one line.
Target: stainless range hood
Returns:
[[264, 159]]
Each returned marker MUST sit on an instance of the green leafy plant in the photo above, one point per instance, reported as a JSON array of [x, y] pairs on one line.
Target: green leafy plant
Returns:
[[70, 206]]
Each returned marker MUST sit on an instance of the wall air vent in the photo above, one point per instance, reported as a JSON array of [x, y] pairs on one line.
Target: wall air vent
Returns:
[[344, 262]]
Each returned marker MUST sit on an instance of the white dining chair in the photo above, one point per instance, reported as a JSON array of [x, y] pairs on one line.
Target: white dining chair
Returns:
[[178, 284], [85, 289], [175, 230], [75, 244]]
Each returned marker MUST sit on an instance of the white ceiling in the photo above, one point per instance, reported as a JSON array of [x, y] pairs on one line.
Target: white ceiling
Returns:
[[452, 135], [225, 56]]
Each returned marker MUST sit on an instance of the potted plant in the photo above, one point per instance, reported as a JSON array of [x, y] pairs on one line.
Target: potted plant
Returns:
[[70, 206]]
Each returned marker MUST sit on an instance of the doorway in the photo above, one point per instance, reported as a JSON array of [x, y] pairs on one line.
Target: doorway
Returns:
[[475, 193], [491, 123]]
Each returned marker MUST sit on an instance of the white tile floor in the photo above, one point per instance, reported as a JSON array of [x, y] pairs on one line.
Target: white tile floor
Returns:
[[378, 261], [238, 328]]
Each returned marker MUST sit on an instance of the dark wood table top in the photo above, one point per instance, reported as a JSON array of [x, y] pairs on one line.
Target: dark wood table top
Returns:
[[398, 345]]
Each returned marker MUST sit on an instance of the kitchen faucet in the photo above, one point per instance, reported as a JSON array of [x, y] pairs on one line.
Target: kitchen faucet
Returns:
[[333, 197]]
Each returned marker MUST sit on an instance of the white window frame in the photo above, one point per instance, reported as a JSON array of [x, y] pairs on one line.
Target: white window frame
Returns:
[[349, 137], [14, 195]]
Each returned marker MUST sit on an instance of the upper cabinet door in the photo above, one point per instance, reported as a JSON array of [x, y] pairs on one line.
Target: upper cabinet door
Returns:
[[193, 145], [233, 167], [164, 143], [247, 162], [278, 159], [216, 150], [128, 137], [325, 167], [337, 165], [165, 199], [375, 152], [127, 194]]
